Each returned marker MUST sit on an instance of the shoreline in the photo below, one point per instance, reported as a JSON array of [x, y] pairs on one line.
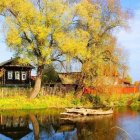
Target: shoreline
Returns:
[[69, 101], [43, 102]]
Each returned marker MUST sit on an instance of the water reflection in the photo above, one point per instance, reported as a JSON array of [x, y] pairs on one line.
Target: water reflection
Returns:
[[14, 127], [48, 125]]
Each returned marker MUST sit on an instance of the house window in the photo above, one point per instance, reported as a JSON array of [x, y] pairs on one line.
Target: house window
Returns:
[[24, 75], [10, 75], [17, 75]]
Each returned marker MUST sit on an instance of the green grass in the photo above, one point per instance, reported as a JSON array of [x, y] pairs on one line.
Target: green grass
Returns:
[[16, 98], [22, 102], [121, 100]]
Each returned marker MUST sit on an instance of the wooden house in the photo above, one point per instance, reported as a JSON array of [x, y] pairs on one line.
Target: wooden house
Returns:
[[13, 73]]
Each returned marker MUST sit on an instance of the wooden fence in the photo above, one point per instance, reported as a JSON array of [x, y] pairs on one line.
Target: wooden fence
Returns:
[[114, 89], [65, 89], [126, 90], [58, 89]]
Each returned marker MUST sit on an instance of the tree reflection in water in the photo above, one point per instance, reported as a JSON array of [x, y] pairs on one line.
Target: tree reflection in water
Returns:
[[35, 125], [44, 127], [47, 126]]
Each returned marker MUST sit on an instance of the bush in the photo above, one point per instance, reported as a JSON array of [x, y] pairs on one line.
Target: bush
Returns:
[[93, 99]]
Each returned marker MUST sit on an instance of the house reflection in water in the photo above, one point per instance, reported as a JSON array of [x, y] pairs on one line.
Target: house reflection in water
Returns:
[[14, 128], [51, 127]]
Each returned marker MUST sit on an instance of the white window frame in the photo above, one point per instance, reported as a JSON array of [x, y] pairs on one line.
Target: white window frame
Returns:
[[17, 75], [24, 74], [10, 75]]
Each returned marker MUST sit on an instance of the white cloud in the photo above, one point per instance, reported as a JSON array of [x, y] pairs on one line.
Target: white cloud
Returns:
[[130, 40]]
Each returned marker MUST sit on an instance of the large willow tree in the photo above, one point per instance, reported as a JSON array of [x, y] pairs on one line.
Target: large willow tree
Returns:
[[43, 31], [33, 26], [93, 42]]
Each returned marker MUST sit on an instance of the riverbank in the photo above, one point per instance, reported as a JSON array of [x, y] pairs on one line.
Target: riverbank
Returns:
[[121, 100], [23, 102], [69, 100], [17, 98]]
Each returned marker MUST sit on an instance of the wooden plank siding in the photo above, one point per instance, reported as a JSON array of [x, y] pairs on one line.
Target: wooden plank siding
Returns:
[[12, 66], [20, 81]]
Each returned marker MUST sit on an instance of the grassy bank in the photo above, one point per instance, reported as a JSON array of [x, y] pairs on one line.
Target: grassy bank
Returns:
[[121, 100], [17, 99], [22, 102]]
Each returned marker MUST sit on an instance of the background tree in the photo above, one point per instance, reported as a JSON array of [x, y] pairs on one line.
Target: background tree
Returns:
[[96, 48], [128, 79], [50, 75]]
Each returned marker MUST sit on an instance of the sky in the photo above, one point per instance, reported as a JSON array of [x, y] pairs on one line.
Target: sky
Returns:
[[129, 40]]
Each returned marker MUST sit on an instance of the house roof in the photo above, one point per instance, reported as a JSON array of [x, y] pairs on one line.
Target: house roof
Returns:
[[5, 62], [14, 62], [69, 78]]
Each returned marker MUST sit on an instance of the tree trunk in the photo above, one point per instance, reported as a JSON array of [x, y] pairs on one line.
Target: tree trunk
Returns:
[[79, 87], [79, 91], [37, 85], [35, 126]]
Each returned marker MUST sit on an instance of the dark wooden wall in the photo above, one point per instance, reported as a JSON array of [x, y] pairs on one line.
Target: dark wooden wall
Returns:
[[13, 81]]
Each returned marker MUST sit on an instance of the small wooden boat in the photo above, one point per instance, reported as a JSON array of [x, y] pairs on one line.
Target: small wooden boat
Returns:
[[76, 112]]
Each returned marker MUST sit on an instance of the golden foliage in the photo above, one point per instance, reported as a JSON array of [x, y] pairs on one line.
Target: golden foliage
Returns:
[[81, 30]]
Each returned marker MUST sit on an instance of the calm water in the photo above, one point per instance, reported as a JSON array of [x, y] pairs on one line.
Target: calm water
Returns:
[[124, 124]]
